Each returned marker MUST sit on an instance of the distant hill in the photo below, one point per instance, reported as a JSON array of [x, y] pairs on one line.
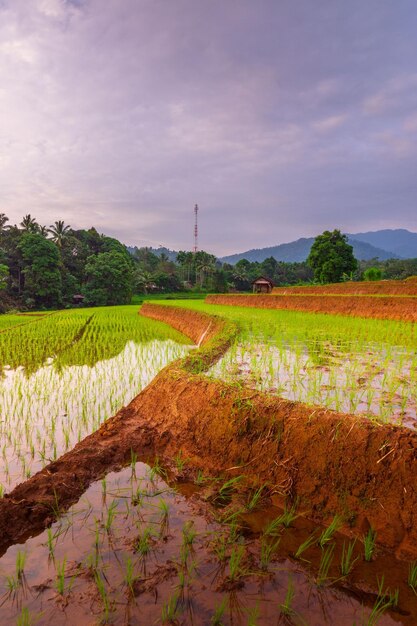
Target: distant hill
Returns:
[[401, 242], [297, 251]]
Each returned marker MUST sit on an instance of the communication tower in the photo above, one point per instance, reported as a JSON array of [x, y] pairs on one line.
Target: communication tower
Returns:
[[195, 229]]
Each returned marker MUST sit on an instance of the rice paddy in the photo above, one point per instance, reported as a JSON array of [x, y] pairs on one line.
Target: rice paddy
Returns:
[[161, 544], [67, 373], [352, 365], [142, 548]]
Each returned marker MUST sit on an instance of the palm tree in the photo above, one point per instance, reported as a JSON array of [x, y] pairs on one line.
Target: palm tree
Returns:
[[59, 232], [43, 231], [3, 220], [205, 267], [29, 224]]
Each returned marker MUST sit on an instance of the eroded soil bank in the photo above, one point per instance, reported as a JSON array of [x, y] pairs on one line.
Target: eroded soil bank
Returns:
[[383, 307], [331, 462]]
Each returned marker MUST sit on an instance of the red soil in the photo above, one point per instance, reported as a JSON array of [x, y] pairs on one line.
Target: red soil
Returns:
[[334, 463], [381, 307]]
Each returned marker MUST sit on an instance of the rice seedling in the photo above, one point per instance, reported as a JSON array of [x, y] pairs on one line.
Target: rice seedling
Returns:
[[328, 532], [348, 562], [286, 607], [310, 541], [218, 615], [369, 541], [170, 610], [325, 564], [267, 550], [255, 498], [288, 516], [236, 570], [226, 490], [103, 595], [412, 576]]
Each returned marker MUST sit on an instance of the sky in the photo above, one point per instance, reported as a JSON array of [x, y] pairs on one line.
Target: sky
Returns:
[[280, 118]]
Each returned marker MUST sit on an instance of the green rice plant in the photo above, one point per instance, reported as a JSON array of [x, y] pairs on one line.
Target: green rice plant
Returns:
[[236, 570], [347, 562], [129, 576], [26, 618], [325, 564], [20, 564], [328, 532], [219, 611], [111, 515], [380, 607], [310, 541], [286, 607], [288, 516], [255, 498], [170, 610], [188, 533], [101, 587], [267, 550], [200, 478], [225, 492], [369, 544], [60, 577], [412, 576], [180, 462], [253, 615], [143, 543]]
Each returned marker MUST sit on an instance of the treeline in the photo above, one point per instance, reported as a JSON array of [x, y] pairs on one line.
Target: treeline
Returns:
[[44, 268]]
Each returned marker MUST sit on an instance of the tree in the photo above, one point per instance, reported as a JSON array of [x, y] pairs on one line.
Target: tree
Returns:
[[331, 257], [41, 271], [29, 224], [59, 232], [372, 273], [109, 279]]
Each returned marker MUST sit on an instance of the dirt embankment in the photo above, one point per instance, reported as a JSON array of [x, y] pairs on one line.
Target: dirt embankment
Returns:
[[381, 307], [381, 287], [332, 463]]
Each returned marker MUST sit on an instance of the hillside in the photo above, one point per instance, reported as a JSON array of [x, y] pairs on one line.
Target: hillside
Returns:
[[297, 251]]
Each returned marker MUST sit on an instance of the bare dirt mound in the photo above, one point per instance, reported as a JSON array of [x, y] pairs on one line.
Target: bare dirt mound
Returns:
[[331, 462], [381, 307]]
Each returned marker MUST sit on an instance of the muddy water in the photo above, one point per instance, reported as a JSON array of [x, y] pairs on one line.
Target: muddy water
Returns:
[[138, 549], [44, 414], [378, 381]]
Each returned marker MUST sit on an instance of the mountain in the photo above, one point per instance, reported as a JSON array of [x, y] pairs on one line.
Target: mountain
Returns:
[[400, 241], [297, 251]]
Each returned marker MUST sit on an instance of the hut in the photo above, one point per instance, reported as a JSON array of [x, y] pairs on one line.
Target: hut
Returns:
[[78, 299], [262, 285]]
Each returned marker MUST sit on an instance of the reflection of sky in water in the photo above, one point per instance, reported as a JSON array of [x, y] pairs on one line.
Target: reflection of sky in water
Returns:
[[379, 381], [48, 412]]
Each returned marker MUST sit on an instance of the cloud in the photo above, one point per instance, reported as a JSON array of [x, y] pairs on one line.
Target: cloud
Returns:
[[276, 119]]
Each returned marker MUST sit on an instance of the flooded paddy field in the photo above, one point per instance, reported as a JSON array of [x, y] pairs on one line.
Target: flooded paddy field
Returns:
[[148, 545], [362, 367], [66, 373], [161, 542]]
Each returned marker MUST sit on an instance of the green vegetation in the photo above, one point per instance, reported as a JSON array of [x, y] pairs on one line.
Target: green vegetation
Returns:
[[64, 373], [353, 365], [331, 257]]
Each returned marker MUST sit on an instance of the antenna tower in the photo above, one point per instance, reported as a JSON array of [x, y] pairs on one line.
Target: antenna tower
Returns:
[[195, 229]]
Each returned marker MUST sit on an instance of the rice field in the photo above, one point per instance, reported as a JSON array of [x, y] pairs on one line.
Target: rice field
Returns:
[[66, 373], [365, 367], [141, 548], [155, 544]]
